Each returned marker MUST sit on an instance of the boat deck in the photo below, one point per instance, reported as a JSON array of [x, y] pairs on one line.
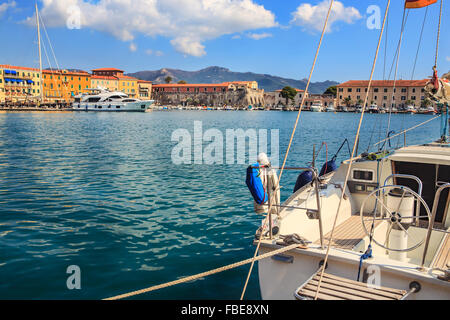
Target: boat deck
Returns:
[[349, 233]]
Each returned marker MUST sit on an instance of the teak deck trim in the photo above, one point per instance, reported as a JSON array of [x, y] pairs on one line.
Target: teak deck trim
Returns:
[[349, 233], [338, 288]]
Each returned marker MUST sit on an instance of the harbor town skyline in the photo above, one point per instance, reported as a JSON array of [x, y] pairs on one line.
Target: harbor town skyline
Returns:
[[263, 30]]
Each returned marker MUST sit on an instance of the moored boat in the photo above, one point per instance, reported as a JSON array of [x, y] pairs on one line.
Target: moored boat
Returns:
[[101, 100], [317, 106]]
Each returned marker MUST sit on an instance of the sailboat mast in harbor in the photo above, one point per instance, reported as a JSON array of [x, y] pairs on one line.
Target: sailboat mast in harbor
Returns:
[[40, 56]]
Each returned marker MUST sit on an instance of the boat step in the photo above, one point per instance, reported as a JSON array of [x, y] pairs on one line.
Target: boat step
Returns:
[[338, 288]]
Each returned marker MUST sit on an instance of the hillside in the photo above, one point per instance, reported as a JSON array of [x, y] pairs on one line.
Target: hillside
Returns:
[[219, 75]]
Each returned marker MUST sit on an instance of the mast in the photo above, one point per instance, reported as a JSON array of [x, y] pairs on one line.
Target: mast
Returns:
[[41, 95]]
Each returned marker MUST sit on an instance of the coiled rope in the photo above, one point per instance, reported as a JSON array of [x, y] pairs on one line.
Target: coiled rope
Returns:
[[353, 152]]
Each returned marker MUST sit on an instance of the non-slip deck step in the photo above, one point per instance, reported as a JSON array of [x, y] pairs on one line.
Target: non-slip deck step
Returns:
[[338, 288]]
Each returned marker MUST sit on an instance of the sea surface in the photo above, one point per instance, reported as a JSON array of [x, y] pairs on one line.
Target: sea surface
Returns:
[[101, 192]]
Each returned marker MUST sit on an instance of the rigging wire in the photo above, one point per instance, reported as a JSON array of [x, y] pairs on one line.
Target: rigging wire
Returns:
[[420, 43], [438, 34], [290, 142], [353, 152], [404, 20]]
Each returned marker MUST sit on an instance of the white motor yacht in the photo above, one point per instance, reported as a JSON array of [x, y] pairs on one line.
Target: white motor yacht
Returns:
[[102, 100], [317, 106]]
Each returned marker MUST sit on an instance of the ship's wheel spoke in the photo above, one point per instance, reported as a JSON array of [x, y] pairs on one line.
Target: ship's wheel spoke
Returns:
[[384, 206], [394, 213]]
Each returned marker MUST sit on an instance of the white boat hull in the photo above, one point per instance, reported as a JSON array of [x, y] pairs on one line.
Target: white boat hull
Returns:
[[279, 280], [140, 106]]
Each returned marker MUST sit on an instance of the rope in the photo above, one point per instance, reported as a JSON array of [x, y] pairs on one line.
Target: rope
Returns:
[[439, 33], [205, 274], [354, 149], [420, 43], [290, 141]]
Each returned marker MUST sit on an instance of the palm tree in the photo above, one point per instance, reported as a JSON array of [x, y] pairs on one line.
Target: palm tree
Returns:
[[348, 101]]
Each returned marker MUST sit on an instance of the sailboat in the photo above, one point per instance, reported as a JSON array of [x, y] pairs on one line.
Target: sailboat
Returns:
[[375, 228]]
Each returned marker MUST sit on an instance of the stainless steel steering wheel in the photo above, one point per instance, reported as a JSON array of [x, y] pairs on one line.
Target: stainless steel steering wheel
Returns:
[[392, 216]]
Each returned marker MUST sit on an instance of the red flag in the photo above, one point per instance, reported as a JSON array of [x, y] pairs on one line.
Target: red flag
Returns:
[[412, 4]]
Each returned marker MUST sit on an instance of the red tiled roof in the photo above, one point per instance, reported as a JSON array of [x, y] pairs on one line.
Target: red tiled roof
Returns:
[[108, 69], [144, 81], [385, 83], [126, 78], [196, 85], [104, 77], [7, 66], [66, 73]]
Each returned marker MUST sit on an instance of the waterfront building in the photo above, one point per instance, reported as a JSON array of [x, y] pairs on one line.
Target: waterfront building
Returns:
[[406, 92], [61, 86], [275, 100], [19, 84], [114, 80], [145, 89], [2, 87], [237, 93]]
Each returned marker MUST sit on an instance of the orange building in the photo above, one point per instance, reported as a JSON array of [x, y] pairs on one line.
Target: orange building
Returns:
[[61, 86]]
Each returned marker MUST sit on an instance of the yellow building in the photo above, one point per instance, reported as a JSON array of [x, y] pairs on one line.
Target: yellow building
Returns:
[[145, 89], [129, 86], [61, 86], [110, 83], [19, 84]]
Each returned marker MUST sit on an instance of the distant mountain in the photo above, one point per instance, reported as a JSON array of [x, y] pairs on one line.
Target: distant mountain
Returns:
[[219, 75], [447, 75]]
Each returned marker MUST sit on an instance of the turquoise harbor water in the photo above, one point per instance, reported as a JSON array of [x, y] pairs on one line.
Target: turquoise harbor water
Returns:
[[100, 191]]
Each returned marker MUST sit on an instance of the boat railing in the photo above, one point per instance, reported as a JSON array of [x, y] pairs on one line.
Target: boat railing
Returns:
[[316, 184], [437, 197]]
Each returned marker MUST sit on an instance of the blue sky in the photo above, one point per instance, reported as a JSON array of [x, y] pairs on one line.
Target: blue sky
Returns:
[[259, 36]]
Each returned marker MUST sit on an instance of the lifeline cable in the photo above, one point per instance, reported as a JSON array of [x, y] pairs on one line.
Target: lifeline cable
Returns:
[[353, 153], [292, 138]]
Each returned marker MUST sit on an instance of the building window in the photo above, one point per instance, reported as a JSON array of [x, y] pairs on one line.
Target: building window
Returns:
[[413, 97], [349, 90], [358, 90], [403, 98], [375, 90], [341, 89]]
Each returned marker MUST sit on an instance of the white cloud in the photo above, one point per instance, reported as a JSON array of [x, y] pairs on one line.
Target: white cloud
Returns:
[[447, 58], [313, 17], [259, 36], [133, 47], [5, 6], [156, 53], [188, 23]]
